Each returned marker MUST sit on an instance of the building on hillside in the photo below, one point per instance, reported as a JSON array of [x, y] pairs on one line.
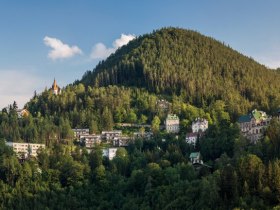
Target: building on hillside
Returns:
[[253, 125], [122, 141], [172, 123], [191, 138], [110, 135], [199, 125], [163, 105], [22, 113], [195, 157], [110, 153], [80, 131], [55, 88], [90, 140], [25, 149], [143, 135]]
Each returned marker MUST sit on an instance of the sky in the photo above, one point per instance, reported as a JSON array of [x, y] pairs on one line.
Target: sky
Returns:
[[43, 40]]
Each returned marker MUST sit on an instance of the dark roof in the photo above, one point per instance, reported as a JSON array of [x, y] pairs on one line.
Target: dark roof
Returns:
[[192, 134], [244, 118]]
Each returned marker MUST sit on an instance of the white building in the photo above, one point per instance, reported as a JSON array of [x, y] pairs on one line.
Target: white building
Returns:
[[122, 141], [110, 135], [25, 149], [110, 153], [143, 135], [90, 140], [163, 105], [191, 138], [80, 131], [172, 123], [199, 125]]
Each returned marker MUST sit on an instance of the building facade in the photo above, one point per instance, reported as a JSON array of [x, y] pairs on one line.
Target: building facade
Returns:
[[25, 149], [163, 105], [110, 153], [90, 140], [143, 135], [253, 125], [191, 138], [199, 125], [111, 135], [195, 158], [80, 131], [172, 123], [122, 141]]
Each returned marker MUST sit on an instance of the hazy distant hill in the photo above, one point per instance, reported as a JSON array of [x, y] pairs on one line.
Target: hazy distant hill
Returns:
[[186, 63]]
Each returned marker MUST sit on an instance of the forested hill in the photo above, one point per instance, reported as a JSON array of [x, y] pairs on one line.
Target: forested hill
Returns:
[[197, 67]]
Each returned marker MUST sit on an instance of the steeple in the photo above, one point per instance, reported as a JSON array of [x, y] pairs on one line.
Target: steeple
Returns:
[[55, 88]]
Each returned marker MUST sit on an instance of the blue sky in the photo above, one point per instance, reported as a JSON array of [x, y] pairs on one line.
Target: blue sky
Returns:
[[43, 40]]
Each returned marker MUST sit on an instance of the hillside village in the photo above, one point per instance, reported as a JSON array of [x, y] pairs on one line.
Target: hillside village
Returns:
[[172, 120], [252, 127]]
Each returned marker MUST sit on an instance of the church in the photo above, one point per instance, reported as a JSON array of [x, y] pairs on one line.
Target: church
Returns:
[[55, 88]]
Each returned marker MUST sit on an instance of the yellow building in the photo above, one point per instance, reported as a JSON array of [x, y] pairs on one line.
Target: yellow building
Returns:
[[25, 149], [22, 113]]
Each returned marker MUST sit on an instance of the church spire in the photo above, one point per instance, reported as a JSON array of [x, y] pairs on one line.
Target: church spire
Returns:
[[55, 88]]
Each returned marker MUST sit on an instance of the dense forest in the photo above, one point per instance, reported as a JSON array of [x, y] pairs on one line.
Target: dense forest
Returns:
[[151, 174], [198, 77], [197, 68]]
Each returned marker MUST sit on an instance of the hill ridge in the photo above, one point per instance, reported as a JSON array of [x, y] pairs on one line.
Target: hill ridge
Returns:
[[191, 65]]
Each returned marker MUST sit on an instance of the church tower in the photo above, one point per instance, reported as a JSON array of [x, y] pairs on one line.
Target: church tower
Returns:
[[55, 88]]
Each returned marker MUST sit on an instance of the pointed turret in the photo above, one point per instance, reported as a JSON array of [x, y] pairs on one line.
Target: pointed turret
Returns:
[[55, 88]]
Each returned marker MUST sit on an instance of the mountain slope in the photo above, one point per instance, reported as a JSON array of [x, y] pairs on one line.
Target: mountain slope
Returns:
[[186, 63]]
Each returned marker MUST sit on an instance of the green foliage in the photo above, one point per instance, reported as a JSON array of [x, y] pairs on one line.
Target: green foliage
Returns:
[[199, 77], [155, 124], [219, 139], [197, 68]]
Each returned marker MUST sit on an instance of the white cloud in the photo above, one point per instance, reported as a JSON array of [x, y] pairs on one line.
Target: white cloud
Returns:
[[100, 51], [123, 40], [59, 49], [19, 86]]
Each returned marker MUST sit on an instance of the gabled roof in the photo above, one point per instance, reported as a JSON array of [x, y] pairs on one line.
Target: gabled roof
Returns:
[[244, 118], [194, 154], [200, 120], [172, 117], [256, 114]]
